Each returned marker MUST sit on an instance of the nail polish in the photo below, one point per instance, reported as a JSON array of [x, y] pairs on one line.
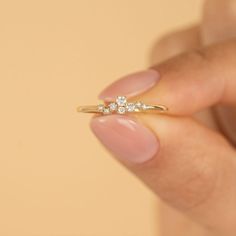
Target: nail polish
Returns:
[[131, 85], [127, 139]]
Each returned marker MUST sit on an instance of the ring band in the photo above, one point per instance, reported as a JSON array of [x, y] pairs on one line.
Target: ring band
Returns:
[[121, 106]]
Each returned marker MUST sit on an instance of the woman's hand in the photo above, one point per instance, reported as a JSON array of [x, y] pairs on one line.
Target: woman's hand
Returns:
[[188, 157]]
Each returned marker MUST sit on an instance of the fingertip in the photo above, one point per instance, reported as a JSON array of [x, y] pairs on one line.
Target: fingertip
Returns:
[[129, 140]]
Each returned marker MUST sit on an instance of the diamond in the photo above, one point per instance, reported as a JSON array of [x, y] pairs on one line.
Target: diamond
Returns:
[[121, 110], [130, 107], [138, 105], [106, 111], [144, 106], [121, 100], [100, 107], [113, 106]]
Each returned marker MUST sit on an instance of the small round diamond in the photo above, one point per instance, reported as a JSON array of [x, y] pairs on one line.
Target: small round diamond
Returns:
[[138, 105], [106, 111], [113, 106], [121, 110], [130, 107], [121, 101], [100, 107], [144, 106]]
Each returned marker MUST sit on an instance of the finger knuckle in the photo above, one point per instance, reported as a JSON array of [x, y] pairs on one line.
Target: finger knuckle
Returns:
[[199, 55]]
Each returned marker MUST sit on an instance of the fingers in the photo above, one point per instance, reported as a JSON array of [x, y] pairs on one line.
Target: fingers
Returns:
[[168, 46], [219, 19], [185, 84], [187, 165], [226, 117], [174, 44], [165, 48]]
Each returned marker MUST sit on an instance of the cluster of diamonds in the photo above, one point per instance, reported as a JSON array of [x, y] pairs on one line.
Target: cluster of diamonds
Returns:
[[121, 106]]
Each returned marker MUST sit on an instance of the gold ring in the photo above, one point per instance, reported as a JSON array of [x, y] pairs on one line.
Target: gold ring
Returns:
[[122, 106]]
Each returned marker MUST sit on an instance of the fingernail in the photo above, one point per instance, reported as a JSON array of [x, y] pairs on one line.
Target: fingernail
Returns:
[[131, 85], [127, 139]]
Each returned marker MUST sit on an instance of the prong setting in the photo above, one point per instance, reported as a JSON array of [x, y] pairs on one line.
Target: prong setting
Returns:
[[106, 111], [121, 110], [130, 107], [113, 106], [121, 101], [101, 107], [122, 106]]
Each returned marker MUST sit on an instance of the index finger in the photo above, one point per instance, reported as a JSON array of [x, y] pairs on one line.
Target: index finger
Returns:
[[187, 83]]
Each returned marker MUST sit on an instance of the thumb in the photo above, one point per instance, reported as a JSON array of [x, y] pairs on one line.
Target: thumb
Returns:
[[188, 166]]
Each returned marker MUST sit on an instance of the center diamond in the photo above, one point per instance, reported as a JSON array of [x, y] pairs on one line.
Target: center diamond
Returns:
[[121, 101]]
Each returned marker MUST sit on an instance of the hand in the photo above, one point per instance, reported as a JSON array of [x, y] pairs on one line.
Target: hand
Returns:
[[188, 157]]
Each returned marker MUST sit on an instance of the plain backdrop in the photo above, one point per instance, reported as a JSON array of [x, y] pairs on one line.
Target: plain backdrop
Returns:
[[55, 178]]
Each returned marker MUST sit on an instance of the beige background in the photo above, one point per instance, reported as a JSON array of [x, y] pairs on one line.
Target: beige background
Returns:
[[55, 178]]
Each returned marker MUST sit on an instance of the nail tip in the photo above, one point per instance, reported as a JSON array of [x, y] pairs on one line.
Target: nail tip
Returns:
[[131, 85], [126, 138]]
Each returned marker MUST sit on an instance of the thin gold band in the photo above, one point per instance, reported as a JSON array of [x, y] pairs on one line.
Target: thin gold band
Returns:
[[96, 109], [88, 109], [121, 106]]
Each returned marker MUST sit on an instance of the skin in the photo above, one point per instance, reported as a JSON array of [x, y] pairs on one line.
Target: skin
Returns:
[[196, 182], [218, 24]]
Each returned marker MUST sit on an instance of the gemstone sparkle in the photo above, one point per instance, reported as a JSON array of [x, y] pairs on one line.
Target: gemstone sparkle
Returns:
[[106, 111], [121, 110], [113, 106], [100, 107], [130, 107], [121, 100]]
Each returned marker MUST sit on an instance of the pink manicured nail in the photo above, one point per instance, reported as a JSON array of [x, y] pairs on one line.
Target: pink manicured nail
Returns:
[[131, 85], [127, 139]]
